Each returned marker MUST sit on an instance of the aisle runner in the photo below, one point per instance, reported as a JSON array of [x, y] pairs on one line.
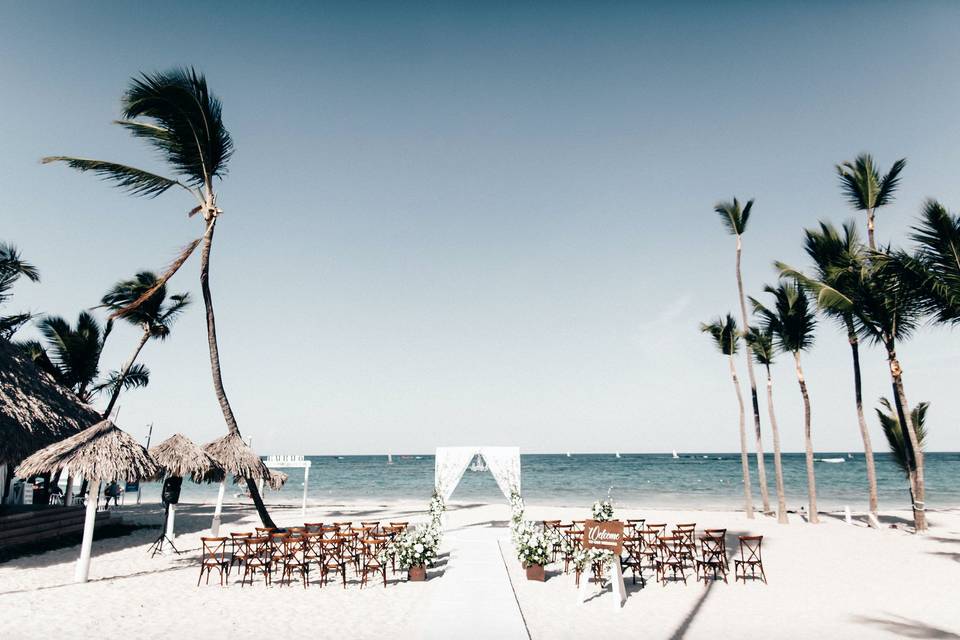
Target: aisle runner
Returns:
[[476, 600]]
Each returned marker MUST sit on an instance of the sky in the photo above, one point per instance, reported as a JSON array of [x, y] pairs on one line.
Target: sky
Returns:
[[488, 223]]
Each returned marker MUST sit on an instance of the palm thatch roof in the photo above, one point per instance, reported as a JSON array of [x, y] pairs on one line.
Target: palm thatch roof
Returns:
[[181, 457], [237, 458], [35, 411], [102, 452], [277, 479]]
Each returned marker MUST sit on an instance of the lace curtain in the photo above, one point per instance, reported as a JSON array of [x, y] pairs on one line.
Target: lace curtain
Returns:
[[451, 462]]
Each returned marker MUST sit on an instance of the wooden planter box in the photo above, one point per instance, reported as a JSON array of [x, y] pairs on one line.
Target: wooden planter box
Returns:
[[417, 574], [535, 572]]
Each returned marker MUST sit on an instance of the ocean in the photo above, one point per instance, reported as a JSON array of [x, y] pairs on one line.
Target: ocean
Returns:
[[702, 480]]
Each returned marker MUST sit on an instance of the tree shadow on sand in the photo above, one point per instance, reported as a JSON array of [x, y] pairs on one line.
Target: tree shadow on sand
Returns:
[[906, 627]]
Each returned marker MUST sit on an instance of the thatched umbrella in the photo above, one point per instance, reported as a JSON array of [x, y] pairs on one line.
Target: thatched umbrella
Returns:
[[277, 479], [181, 457], [238, 460], [101, 453], [35, 411]]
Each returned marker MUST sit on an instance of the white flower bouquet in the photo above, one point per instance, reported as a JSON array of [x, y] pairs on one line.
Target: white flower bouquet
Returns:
[[437, 507], [417, 546], [599, 558], [603, 510], [534, 544]]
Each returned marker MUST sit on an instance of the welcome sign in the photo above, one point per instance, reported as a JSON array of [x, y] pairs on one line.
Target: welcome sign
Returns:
[[603, 535]]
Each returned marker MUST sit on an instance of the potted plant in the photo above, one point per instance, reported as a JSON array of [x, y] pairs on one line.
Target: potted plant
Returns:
[[534, 546], [416, 549], [603, 510]]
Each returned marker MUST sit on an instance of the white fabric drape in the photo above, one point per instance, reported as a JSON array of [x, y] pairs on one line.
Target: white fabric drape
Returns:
[[451, 462], [504, 464]]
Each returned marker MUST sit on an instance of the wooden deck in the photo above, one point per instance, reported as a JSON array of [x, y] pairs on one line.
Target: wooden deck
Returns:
[[23, 525]]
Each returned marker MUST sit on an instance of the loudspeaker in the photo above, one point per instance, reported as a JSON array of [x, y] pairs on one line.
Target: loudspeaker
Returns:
[[171, 490]]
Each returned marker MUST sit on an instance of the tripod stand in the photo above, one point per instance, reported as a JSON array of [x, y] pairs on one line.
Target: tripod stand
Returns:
[[162, 539]]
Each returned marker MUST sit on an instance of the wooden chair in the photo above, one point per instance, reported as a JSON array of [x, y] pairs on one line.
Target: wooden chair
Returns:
[[712, 558], [332, 560], [294, 560], [343, 526], [567, 544], [256, 557], [372, 525], [329, 531], [688, 543], [349, 554], [669, 558], [277, 550], [402, 525], [660, 528], [237, 548], [313, 527], [649, 541], [264, 531], [313, 551], [213, 556], [372, 564], [633, 547], [637, 524], [750, 557], [722, 534]]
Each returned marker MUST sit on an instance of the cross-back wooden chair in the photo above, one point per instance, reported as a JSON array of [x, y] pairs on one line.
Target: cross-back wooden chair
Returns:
[[332, 560], [256, 557], [712, 558], [277, 550], [213, 556], [372, 561], [688, 544], [750, 558], [237, 548], [313, 527], [722, 534], [660, 528], [293, 560], [670, 559], [313, 551], [633, 548], [649, 541]]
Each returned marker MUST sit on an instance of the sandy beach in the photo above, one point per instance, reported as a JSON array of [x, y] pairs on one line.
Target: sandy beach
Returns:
[[830, 580]]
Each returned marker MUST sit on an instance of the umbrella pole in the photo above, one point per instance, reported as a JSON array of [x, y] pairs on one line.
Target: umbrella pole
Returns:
[[68, 494], [171, 514], [83, 564], [215, 527], [306, 475]]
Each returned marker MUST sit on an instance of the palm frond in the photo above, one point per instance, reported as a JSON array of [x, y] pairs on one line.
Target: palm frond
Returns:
[[894, 434], [132, 180], [733, 217], [12, 263], [160, 282], [724, 332], [760, 342], [890, 182], [138, 376], [9, 325]]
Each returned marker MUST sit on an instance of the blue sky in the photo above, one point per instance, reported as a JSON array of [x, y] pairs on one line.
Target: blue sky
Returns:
[[449, 224]]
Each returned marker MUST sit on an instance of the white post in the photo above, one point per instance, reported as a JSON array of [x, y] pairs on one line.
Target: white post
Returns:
[[306, 475], [68, 494], [260, 487], [170, 516], [619, 589], [83, 564], [846, 514], [215, 527]]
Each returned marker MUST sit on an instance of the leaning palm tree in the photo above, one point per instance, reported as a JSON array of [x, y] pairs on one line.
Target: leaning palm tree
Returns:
[[866, 190], [828, 249], [899, 445], [71, 355], [791, 322], [727, 338], [934, 269], [12, 268], [153, 316], [761, 344], [735, 218], [175, 112], [886, 310]]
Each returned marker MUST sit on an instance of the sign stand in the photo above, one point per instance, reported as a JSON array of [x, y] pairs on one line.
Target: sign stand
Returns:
[[607, 536]]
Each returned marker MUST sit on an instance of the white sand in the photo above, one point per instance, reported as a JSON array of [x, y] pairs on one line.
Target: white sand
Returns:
[[829, 580]]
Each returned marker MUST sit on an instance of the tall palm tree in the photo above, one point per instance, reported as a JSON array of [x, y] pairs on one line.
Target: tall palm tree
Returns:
[[761, 344], [791, 322], [12, 268], [735, 220], [727, 338], [866, 190], [153, 316], [899, 446], [828, 249], [175, 112], [886, 310], [934, 269]]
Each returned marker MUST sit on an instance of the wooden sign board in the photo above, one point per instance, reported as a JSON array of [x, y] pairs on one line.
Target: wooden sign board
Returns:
[[603, 535]]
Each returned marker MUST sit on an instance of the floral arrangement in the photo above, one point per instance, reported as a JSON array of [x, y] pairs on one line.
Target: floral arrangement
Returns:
[[417, 546], [603, 510], [534, 544], [583, 558], [437, 507]]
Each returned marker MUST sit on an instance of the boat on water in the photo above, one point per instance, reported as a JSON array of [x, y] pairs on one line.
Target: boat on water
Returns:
[[832, 460], [568, 454], [389, 458], [675, 456], [618, 454]]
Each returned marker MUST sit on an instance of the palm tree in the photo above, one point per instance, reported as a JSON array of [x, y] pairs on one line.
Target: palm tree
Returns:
[[735, 220], [886, 310], [761, 344], [866, 190], [153, 316], [727, 338], [828, 250], [900, 446], [791, 322], [934, 270], [12, 268], [175, 112], [71, 354]]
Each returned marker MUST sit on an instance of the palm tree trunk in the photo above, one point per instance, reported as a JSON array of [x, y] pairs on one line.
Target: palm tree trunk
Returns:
[[215, 362], [864, 431], [761, 467], [123, 373], [870, 226], [744, 454], [811, 474], [777, 463], [914, 451]]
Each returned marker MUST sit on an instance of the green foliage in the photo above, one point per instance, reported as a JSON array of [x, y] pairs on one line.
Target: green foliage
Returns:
[[790, 322], [138, 376], [897, 439], [862, 185], [155, 312], [71, 354], [734, 217], [760, 342], [725, 334], [12, 268]]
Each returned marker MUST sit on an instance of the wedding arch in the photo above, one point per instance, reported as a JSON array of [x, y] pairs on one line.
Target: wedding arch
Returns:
[[451, 462]]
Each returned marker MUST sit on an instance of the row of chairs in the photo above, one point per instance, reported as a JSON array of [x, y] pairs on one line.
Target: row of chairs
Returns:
[[330, 549], [669, 555]]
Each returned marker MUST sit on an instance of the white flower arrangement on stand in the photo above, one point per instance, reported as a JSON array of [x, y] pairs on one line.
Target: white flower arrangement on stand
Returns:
[[534, 544], [599, 559], [437, 507], [603, 509], [516, 513], [417, 546]]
